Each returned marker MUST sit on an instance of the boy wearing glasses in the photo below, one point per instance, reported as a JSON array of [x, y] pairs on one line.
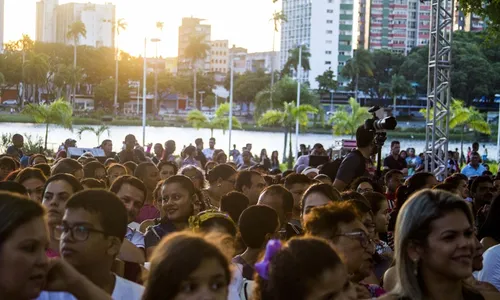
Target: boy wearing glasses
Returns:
[[90, 240]]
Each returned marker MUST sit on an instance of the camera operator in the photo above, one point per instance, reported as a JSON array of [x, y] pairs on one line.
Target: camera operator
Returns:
[[358, 162], [394, 161]]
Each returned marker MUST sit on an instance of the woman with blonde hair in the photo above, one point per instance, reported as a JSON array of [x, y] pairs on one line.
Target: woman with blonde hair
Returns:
[[435, 246]]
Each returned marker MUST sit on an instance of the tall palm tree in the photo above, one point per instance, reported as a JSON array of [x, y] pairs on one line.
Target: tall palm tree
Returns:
[[120, 25], [278, 18], [347, 123], [76, 30], [196, 50], [58, 113], [25, 45], [397, 87], [37, 69], [466, 117], [293, 60], [221, 120], [360, 63], [98, 131], [286, 118]]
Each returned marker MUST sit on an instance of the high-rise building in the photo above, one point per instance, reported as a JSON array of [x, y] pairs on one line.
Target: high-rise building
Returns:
[[219, 56], [2, 14], [239, 56], [267, 61], [46, 20], [330, 30], [469, 22], [191, 27], [98, 20]]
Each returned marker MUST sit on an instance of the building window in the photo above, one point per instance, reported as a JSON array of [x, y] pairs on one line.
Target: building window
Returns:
[[329, 11], [341, 53], [328, 52], [328, 41], [329, 32], [330, 1], [329, 21], [328, 62]]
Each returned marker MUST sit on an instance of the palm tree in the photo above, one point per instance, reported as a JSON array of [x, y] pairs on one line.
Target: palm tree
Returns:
[[467, 117], [293, 60], [37, 68], [278, 18], [76, 30], [121, 24], [397, 87], [197, 49], [361, 63], [58, 113], [25, 45], [347, 123], [286, 118], [98, 131], [221, 120]]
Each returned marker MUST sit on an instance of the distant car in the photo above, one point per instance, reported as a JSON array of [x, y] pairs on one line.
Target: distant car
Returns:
[[10, 102]]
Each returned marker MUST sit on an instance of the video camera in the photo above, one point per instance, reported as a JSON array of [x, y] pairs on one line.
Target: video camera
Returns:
[[376, 124]]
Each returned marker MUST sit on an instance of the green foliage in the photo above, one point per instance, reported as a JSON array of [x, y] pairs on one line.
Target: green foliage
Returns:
[[360, 64], [326, 81], [98, 131], [31, 144], [197, 48], [198, 119], [278, 18], [75, 30], [345, 122], [293, 60], [57, 113]]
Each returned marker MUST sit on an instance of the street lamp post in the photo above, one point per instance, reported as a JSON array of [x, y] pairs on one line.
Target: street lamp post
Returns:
[[299, 65], [331, 101], [231, 100], [144, 96], [156, 41], [201, 99]]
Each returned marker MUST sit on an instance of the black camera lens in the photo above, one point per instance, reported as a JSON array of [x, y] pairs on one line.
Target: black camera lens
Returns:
[[388, 123]]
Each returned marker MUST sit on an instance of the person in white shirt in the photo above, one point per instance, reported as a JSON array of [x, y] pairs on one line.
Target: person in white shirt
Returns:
[[91, 235], [209, 152], [491, 267]]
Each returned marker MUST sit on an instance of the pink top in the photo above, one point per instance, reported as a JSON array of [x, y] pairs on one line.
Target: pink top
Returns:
[[148, 212], [52, 253]]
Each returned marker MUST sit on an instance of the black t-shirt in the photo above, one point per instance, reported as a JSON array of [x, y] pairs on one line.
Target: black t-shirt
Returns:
[[353, 166], [394, 164], [135, 155]]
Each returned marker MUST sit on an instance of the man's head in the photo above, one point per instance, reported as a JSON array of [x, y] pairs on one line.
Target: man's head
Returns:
[[475, 146], [393, 179], [302, 148], [234, 203], [130, 142], [199, 143], [18, 140], [211, 143], [249, 147], [474, 159], [92, 230], [251, 184], [482, 191], [107, 146], [395, 147], [364, 139], [318, 150], [158, 149], [247, 157], [69, 143], [170, 146], [132, 192], [148, 173], [7, 165], [279, 199], [297, 184], [258, 224], [411, 152]]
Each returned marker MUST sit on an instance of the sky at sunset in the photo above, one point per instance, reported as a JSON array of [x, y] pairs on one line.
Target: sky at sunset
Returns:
[[243, 23]]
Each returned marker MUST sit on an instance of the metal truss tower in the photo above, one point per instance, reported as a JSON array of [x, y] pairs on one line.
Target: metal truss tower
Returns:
[[438, 87]]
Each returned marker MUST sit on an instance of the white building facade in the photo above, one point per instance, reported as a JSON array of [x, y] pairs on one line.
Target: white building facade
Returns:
[[2, 23], [219, 56], [267, 61], [327, 27], [46, 20]]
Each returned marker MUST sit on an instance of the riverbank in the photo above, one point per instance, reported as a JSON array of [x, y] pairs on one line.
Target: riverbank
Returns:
[[407, 133]]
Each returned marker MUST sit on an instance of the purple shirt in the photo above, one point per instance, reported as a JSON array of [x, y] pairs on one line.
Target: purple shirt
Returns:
[[148, 212]]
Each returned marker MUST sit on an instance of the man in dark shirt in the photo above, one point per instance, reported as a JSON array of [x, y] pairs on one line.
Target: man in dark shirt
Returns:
[[131, 154], [394, 161], [358, 162], [17, 144], [200, 156]]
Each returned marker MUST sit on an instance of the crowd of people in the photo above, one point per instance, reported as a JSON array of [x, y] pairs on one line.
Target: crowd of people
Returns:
[[147, 223]]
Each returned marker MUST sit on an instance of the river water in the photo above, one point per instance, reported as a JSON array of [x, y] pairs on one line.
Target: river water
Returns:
[[185, 136]]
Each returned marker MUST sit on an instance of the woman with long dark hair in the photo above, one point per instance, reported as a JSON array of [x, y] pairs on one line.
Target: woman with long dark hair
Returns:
[[275, 161]]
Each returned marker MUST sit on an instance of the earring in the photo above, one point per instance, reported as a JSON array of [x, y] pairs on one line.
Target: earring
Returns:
[[415, 267]]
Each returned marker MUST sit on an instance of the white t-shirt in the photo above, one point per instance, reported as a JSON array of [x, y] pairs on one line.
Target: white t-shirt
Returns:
[[135, 237], [124, 290], [491, 267], [209, 153]]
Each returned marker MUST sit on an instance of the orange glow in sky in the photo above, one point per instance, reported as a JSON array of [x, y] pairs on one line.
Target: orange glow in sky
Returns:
[[244, 23]]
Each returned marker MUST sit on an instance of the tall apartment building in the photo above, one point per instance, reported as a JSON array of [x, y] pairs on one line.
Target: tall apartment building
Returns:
[[219, 56], [469, 22], [46, 20], [267, 61], [328, 27], [2, 23], [98, 20], [192, 26], [239, 55]]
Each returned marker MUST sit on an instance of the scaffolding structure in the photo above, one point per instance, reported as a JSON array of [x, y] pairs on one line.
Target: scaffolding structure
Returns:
[[438, 88]]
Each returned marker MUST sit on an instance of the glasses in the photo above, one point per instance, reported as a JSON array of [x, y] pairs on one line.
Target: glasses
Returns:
[[78, 232], [362, 237]]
